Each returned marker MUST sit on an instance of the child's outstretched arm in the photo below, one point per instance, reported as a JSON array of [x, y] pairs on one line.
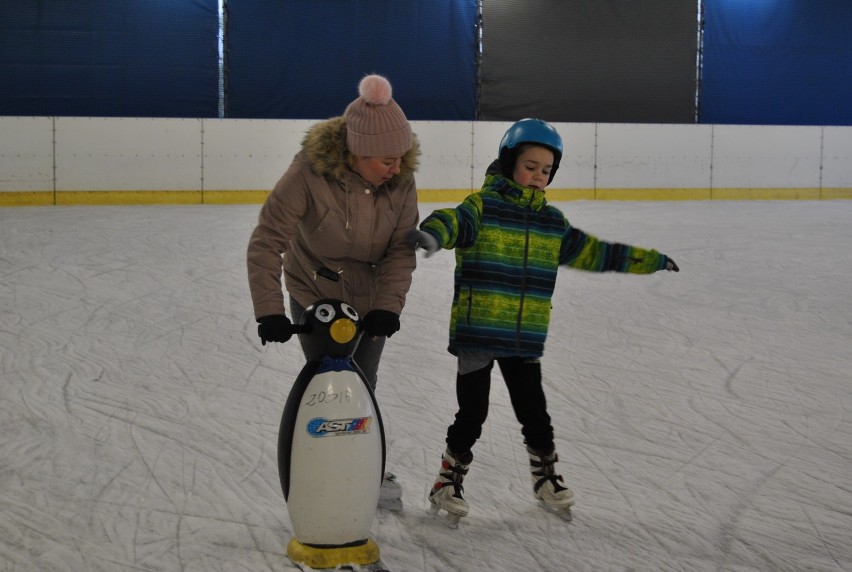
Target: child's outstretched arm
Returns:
[[450, 228], [586, 252]]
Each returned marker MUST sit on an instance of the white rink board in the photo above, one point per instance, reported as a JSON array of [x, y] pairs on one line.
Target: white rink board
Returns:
[[446, 154], [760, 156], [577, 168], [642, 156], [43, 154], [837, 157], [26, 154], [486, 142], [249, 154], [127, 154]]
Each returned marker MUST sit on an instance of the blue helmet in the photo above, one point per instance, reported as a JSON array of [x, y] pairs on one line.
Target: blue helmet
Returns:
[[529, 131]]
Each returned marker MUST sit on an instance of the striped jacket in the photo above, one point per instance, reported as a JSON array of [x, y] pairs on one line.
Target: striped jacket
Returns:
[[509, 244]]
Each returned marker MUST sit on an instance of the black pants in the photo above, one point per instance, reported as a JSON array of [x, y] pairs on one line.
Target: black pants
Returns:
[[523, 380]]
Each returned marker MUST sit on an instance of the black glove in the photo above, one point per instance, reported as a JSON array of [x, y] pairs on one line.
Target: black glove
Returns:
[[380, 323], [274, 329], [670, 265]]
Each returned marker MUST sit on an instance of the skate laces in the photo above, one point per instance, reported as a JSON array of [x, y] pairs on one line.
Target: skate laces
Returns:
[[453, 474], [546, 473]]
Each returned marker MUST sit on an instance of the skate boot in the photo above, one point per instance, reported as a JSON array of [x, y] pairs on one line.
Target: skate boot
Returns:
[[445, 498], [390, 495], [548, 487]]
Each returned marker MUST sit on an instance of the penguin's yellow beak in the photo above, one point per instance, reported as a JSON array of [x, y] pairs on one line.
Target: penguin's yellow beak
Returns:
[[343, 330]]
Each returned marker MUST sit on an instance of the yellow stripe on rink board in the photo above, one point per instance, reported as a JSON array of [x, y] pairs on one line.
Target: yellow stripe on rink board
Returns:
[[128, 197], [765, 194], [838, 193], [26, 199], [234, 197], [46, 198], [650, 194]]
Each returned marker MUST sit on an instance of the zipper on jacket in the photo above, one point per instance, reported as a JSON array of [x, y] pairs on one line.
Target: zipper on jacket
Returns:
[[518, 329]]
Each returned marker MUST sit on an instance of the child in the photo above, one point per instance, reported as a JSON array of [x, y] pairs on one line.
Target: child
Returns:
[[509, 243]]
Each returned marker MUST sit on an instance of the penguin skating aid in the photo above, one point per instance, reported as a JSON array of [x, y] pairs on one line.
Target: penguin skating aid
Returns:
[[331, 447]]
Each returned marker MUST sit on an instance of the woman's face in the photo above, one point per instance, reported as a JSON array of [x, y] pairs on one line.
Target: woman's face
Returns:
[[377, 170], [533, 166]]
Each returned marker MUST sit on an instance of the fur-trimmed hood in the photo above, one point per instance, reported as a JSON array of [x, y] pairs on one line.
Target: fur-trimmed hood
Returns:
[[322, 215], [325, 147]]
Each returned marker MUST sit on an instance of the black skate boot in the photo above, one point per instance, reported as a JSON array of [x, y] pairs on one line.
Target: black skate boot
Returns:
[[445, 498]]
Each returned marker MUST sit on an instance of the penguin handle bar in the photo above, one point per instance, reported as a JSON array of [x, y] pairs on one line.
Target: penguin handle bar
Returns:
[[300, 329]]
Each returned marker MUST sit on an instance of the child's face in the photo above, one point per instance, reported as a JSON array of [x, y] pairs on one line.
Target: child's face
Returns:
[[532, 168]]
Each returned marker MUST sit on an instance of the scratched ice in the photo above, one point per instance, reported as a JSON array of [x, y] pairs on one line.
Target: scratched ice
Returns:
[[703, 419]]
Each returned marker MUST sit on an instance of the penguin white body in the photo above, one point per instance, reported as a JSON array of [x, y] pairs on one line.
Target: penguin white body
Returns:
[[335, 461], [331, 447]]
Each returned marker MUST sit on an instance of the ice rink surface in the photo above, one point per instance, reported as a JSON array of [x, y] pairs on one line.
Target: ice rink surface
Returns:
[[703, 419]]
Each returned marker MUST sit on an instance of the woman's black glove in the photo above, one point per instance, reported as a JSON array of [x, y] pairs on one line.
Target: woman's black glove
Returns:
[[380, 323], [274, 329]]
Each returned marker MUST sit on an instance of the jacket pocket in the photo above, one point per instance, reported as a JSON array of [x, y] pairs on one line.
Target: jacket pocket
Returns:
[[327, 273]]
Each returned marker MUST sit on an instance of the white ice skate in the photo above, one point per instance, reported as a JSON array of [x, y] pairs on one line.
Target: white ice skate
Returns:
[[548, 487], [445, 499], [390, 495]]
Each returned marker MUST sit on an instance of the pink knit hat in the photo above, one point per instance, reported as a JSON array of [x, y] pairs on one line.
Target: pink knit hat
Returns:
[[375, 124]]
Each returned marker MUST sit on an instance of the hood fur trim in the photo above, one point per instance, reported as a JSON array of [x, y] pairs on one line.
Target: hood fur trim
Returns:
[[325, 146]]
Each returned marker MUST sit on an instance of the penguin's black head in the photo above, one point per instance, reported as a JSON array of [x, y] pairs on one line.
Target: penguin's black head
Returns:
[[332, 328]]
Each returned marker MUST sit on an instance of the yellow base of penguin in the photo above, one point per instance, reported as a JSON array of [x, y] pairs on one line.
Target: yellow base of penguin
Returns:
[[314, 557]]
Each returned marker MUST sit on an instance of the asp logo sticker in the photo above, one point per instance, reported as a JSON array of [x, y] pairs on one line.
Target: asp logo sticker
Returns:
[[320, 427]]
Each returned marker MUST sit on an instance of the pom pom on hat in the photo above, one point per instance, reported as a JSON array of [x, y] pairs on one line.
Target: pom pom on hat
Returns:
[[375, 125], [375, 90]]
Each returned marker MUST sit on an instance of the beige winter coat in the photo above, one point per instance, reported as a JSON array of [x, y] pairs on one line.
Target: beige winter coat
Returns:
[[322, 215]]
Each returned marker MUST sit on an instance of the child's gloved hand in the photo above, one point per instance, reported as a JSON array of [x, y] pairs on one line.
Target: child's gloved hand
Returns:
[[418, 238], [380, 323], [274, 329], [670, 265]]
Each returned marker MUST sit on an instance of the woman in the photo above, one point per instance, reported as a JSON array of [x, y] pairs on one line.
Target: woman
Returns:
[[336, 224]]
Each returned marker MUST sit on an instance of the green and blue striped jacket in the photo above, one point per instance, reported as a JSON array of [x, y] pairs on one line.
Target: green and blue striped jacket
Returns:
[[509, 244]]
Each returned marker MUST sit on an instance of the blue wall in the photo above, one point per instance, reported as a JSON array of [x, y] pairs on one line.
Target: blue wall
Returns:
[[785, 62], [777, 62], [288, 61], [109, 58]]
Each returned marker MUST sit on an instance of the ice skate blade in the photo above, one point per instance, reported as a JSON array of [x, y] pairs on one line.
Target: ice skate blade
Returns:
[[390, 494], [393, 505], [447, 518], [564, 513]]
